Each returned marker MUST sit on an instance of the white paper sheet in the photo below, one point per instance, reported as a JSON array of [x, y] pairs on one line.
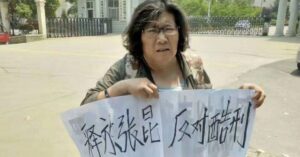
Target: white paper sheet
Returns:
[[207, 123]]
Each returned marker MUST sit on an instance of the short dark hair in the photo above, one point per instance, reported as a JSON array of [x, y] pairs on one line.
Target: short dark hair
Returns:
[[147, 11]]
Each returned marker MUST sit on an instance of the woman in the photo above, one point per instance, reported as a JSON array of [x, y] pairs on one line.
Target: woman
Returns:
[[156, 38]]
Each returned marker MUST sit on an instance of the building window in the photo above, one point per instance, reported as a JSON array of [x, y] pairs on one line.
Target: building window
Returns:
[[90, 13], [113, 3], [113, 9], [90, 9], [89, 5]]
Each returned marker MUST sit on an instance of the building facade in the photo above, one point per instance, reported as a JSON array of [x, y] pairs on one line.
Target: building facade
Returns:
[[119, 11]]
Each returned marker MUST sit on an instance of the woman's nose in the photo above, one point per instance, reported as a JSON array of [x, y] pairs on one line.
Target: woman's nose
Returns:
[[161, 38]]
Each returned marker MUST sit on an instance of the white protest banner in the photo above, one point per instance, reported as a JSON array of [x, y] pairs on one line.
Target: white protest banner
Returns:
[[206, 123]]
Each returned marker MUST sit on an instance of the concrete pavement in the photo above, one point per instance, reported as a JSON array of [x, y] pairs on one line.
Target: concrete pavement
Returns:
[[276, 127], [42, 79]]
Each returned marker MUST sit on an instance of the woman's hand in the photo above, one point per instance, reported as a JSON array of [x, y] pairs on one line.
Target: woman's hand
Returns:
[[259, 96], [141, 87]]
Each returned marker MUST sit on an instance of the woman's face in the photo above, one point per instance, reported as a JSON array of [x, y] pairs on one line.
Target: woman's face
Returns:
[[160, 40]]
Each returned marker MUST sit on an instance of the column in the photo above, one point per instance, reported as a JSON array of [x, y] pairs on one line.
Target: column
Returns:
[[97, 9], [281, 17], [40, 4], [4, 15], [293, 18]]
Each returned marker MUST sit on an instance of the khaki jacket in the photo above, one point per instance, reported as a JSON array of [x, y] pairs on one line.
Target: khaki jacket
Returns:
[[193, 73]]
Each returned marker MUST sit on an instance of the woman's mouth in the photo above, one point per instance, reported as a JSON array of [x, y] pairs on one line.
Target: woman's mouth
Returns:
[[163, 50]]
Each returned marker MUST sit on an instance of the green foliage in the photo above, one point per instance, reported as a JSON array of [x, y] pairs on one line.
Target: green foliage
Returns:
[[12, 7], [32, 5], [50, 7], [23, 10], [275, 9], [72, 1], [234, 9], [237, 8], [73, 10], [64, 14], [193, 7]]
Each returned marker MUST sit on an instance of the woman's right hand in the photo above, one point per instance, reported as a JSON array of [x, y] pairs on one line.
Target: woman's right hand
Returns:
[[141, 87]]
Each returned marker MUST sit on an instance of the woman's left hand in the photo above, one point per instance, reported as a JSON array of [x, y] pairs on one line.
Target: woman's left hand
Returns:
[[259, 96]]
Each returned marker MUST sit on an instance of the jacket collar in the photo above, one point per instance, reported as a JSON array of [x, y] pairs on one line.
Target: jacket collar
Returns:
[[184, 67]]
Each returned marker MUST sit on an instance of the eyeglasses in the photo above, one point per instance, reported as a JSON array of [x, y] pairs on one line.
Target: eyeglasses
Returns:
[[154, 31]]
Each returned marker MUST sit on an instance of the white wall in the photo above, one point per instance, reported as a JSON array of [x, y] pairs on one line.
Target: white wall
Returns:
[[81, 8]]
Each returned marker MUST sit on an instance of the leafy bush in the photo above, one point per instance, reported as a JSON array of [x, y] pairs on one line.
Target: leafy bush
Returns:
[[233, 8], [23, 10]]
